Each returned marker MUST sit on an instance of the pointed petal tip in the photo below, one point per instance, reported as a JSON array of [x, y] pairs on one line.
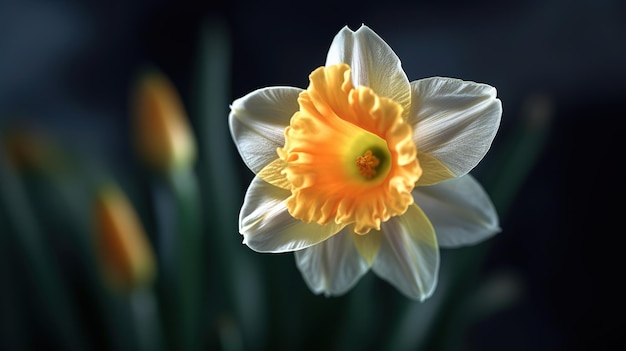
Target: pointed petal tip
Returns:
[[422, 296]]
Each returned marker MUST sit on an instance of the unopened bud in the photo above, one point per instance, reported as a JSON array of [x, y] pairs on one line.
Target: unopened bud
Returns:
[[125, 254], [164, 138]]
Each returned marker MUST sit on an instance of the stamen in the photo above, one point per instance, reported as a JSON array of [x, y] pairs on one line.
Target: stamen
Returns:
[[367, 164]]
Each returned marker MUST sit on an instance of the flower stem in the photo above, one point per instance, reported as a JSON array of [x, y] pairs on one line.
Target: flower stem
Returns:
[[42, 267]]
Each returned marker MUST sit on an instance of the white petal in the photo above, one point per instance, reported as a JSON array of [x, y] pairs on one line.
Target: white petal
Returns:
[[409, 255], [455, 121], [333, 266], [373, 63], [460, 210], [258, 121], [267, 226]]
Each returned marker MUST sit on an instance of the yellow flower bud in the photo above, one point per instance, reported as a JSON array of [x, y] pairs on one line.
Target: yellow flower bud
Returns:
[[125, 254], [163, 136]]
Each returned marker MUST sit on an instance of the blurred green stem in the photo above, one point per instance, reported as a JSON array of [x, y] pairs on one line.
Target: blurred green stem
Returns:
[[180, 247], [190, 249], [358, 329], [12, 321], [237, 291], [145, 314], [41, 266]]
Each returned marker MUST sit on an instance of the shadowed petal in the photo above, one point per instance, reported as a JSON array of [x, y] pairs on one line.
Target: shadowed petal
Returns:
[[267, 226], [460, 210], [332, 267], [258, 121], [409, 256]]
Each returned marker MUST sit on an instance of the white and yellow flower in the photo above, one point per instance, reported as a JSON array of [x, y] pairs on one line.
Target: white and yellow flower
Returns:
[[365, 169]]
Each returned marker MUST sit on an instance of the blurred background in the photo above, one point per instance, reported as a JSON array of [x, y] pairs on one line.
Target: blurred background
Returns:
[[551, 280]]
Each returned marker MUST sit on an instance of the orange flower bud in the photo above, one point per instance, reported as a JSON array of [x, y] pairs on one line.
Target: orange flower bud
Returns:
[[31, 150], [125, 254]]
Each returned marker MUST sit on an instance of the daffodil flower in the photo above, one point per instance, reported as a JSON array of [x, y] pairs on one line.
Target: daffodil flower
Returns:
[[364, 169]]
